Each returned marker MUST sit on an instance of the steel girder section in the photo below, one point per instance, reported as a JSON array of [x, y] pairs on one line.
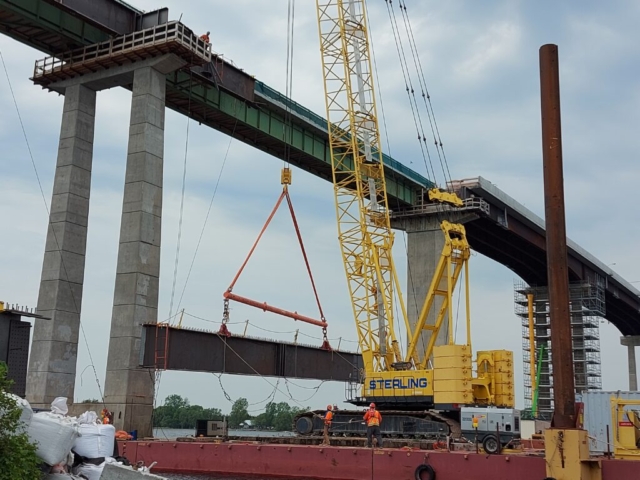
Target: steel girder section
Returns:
[[263, 127], [46, 27], [113, 15], [200, 351]]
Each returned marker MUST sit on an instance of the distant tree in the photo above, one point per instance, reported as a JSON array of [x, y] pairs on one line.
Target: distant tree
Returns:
[[239, 413], [260, 421], [17, 456], [278, 416], [177, 412], [176, 401], [90, 400], [284, 417]]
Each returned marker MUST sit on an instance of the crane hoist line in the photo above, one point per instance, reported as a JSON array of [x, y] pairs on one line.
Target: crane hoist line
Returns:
[[404, 384]]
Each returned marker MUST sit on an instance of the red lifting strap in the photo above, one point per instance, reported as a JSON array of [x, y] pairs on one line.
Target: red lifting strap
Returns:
[[264, 306]]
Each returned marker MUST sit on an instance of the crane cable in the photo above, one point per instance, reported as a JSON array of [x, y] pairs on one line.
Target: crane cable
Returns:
[[53, 231], [422, 139], [213, 196], [426, 97], [417, 118], [158, 375], [288, 127], [406, 248], [184, 179]]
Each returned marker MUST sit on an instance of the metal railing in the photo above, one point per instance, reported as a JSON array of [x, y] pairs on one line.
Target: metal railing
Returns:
[[158, 35], [474, 204]]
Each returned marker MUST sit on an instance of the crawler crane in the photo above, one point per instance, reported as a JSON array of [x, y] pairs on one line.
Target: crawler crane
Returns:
[[419, 392]]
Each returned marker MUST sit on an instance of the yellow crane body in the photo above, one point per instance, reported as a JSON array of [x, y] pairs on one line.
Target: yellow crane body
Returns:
[[420, 377]]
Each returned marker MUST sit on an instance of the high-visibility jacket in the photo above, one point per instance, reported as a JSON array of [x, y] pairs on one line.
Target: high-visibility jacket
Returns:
[[373, 418], [328, 417]]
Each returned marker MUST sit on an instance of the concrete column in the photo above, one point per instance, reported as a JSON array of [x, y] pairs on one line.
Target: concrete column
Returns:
[[425, 241], [631, 342], [633, 378], [129, 389], [52, 365]]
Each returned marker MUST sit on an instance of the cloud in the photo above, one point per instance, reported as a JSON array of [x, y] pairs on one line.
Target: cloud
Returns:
[[481, 66]]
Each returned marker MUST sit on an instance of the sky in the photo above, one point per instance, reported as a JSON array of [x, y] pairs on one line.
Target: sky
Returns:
[[480, 62]]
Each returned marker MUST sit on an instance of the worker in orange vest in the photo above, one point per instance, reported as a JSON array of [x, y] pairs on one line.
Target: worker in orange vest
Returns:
[[205, 37], [328, 417], [373, 419]]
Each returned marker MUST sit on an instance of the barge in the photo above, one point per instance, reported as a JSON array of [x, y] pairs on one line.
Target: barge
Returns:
[[261, 460]]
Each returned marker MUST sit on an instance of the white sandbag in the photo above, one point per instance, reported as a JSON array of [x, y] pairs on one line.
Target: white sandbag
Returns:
[[92, 472], [54, 436], [95, 440], [88, 417], [59, 406], [25, 412]]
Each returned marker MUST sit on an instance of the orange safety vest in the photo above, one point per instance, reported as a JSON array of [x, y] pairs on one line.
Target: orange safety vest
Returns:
[[205, 37], [328, 417], [475, 422], [373, 419]]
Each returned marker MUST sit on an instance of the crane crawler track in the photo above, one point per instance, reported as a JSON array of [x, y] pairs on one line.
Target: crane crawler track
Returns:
[[395, 424]]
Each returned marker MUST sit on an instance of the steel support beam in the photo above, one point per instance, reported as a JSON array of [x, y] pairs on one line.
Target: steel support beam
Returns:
[[199, 351], [557, 267]]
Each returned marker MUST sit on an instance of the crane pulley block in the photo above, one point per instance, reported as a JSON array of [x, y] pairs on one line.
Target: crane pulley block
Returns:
[[450, 198]]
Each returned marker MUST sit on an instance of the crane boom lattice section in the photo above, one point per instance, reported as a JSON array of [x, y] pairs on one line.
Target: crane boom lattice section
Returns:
[[358, 175]]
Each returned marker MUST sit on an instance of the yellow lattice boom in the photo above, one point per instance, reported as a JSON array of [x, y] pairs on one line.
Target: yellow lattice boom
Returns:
[[364, 229]]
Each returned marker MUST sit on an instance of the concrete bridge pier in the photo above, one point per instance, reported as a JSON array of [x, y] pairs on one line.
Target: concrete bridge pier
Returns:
[[425, 241], [631, 342], [54, 351], [129, 388]]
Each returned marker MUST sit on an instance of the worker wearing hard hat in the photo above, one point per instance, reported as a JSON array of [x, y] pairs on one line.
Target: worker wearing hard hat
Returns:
[[328, 417], [205, 37], [373, 419]]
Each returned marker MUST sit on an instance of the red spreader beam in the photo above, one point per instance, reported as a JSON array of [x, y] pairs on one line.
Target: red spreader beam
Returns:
[[229, 295], [268, 308]]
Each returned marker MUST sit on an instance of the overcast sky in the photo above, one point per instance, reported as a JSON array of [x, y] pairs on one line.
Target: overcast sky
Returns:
[[480, 60]]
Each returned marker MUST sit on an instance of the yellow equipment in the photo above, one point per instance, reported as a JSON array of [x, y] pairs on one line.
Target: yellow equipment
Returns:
[[625, 420], [392, 379]]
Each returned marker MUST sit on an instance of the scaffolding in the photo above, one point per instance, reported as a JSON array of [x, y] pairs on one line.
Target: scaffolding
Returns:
[[587, 308]]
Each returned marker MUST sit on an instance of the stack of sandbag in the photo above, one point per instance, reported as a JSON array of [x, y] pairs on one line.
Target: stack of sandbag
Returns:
[[25, 412], [93, 447], [53, 433]]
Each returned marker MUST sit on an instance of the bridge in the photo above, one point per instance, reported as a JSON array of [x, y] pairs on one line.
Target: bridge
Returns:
[[218, 94]]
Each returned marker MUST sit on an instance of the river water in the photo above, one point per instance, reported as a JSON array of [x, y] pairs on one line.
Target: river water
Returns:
[[174, 433]]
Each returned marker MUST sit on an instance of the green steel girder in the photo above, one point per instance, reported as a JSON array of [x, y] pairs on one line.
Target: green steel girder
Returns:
[[46, 27], [309, 145], [50, 29]]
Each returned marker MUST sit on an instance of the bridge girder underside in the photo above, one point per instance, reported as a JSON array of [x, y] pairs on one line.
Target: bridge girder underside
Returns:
[[526, 257]]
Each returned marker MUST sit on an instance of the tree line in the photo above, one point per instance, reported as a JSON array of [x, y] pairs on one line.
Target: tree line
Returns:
[[177, 412]]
